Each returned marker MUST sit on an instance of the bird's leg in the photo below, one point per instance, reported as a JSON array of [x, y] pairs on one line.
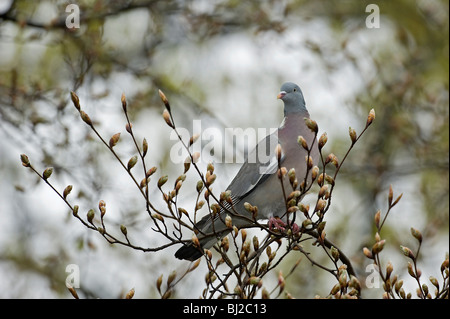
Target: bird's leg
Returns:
[[277, 223]]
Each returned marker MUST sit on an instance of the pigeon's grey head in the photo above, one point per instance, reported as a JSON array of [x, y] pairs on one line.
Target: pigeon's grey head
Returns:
[[292, 96]]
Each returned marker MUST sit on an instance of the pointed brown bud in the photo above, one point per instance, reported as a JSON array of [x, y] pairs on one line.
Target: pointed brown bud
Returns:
[[132, 162], [255, 243], [199, 205], [193, 139], [352, 134], [367, 253], [85, 118], [130, 294], [314, 172], [416, 234], [67, 191], [243, 235], [25, 160], [114, 139], [199, 186], [151, 171], [229, 221], [195, 157], [75, 210], [166, 117], [195, 241], [225, 244], [171, 277], [164, 99], [102, 208], [75, 100], [248, 207], [73, 292], [323, 190], [144, 182], [335, 253], [323, 140], [144, 147], [321, 204], [378, 246], [123, 229], [312, 125], [278, 152], [333, 159], [162, 180], [90, 215], [377, 219], [210, 179], [407, 252], [371, 117], [302, 142], [47, 173], [124, 102], [129, 127], [389, 269], [391, 195], [309, 161]]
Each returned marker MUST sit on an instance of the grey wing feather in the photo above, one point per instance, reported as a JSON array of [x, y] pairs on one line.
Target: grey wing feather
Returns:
[[259, 165]]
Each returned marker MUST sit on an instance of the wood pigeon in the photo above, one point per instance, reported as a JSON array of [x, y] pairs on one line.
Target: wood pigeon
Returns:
[[257, 181]]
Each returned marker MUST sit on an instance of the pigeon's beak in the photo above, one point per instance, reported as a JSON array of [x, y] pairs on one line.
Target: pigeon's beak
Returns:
[[281, 95]]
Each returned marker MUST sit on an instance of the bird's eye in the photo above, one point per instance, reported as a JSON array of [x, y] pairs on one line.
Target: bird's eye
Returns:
[[295, 90]]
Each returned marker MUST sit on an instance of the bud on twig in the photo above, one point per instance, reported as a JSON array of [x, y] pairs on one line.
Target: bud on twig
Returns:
[[352, 134], [416, 234], [377, 219], [164, 99], [123, 229], [47, 173], [195, 241], [367, 253], [172, 277], [102, 208], [378, 246], [75, 210], [67, 191], [407, 252], [371, 117], [390, 196], [229, 221], [128, 127], [73, 292], [166, 117], [314, 172], [151, 171], [85, 118], [114, 139], [278, 152], [335, 253], [132, 162], [323, 140], [25, 160], [144, 147], [195, 157], [302, 142], [75, 100], [130, 294], [309, 161], [193, 139], [312, 125], [124, 102], [90, 215]]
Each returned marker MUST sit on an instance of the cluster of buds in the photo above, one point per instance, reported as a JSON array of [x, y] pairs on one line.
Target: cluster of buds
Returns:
[[251, 209]]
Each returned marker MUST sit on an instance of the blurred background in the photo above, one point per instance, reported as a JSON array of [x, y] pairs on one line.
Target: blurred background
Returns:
[[221, 62]]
